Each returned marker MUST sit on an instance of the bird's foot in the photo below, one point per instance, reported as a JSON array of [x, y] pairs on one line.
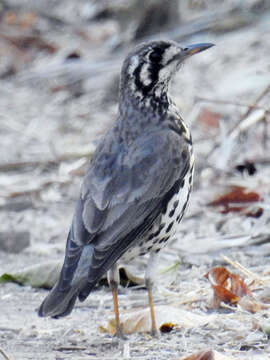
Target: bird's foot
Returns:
[[155, 332], [119, 333]]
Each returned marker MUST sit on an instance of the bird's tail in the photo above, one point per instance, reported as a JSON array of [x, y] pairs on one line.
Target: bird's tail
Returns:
[[60, 301]]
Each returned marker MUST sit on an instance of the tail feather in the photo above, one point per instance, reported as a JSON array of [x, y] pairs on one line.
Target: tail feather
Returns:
[[61, 300], [58, 303]]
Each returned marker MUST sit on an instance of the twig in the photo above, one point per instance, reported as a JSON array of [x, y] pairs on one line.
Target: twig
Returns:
[[6, 357], [70, 348], [36, 188], [229, 102], [250, 109], [43, 163], [246, 119], [244, 270]]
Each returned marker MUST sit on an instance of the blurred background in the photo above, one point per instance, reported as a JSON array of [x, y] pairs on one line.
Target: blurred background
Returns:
[[59, 76]]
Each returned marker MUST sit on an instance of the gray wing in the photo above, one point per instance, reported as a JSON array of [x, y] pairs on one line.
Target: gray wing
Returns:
[[121, 196]]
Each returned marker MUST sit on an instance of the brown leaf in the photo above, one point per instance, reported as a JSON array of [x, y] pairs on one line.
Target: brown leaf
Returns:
[[229, 209], [228, 287], [209, 118], [238, 286], [218, 276], [241, 199], [238, 194], [222, 294]]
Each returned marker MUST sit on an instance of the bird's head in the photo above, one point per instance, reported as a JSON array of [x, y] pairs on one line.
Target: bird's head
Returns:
[[148, 69]]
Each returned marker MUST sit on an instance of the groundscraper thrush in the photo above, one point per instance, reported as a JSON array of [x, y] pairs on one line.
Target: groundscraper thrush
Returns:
[[137, 187]]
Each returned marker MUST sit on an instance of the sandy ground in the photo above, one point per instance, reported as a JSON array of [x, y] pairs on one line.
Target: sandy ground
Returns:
[[39, 123]]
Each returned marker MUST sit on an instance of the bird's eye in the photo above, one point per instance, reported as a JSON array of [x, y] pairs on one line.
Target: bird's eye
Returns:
[[155, 56]]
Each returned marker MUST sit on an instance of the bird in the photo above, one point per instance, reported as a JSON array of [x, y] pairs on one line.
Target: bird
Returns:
[[137, 186]]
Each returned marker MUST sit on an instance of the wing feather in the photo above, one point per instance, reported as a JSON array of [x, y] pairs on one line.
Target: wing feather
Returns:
[[122, 195]]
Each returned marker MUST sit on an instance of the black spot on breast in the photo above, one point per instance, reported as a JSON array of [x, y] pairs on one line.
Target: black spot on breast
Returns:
[[164, 239], [174, 190], [150, 237], [185, 205], [155, 241], [189, 141], [157, 232], [179, 218], [175, 204], [182, 183], [161, 226], [171, 213], [190, 179], [169, 227], [157, 250]]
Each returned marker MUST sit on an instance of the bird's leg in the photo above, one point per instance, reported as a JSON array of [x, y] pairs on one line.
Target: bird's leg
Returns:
[[113, 279], [149, 282]]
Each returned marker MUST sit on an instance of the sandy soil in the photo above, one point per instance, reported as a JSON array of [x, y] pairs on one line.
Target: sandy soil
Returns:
[[41, 122]]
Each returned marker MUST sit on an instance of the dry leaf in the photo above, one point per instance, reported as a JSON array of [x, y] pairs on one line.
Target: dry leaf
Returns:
[[166, 317], [241, 198], [238, 194], [166, 327], [230, 288], [207, 355], [209, 118], [222, 294]]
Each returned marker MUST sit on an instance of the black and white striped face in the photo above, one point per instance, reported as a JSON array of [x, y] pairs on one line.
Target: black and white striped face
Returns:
[[150, 66]]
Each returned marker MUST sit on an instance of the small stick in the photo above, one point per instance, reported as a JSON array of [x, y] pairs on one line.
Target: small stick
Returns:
[[228, 102], [71, 348], [64, 157], [251, 107], [244, 270], [247, 119], [6, 357]]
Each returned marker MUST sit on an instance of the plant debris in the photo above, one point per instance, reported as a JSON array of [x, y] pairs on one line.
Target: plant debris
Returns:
[[238, 199], [167, 318], [230, 288]]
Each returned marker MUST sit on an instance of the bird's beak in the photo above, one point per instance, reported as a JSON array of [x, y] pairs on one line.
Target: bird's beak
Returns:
[[196, 48]]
